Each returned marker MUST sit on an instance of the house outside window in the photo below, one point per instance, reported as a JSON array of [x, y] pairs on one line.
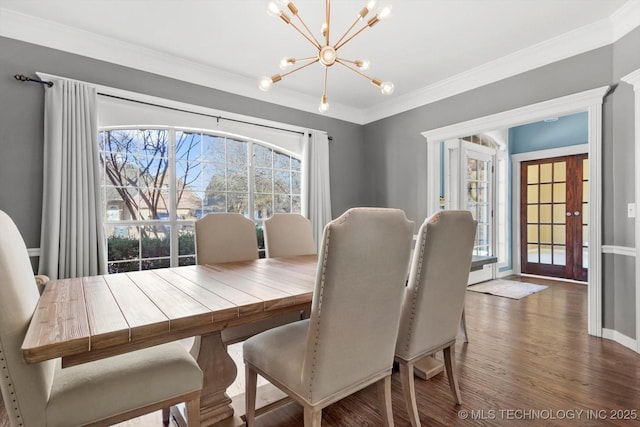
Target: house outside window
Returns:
[[157, 182]]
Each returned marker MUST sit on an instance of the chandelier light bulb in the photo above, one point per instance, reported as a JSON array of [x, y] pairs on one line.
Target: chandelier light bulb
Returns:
[[273, 9], [384, 13], [286, 63], [387, 88], [363, 64], [284, 3], [323, 29], [265, 83], [324, 104], [371, 4]]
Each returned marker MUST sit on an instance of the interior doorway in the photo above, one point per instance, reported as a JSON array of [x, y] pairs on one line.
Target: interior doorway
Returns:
[[554, 217], [589, 101]]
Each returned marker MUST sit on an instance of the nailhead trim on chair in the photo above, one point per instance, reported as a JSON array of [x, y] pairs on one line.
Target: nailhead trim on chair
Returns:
[[315, 340], [415, 293], [12, 393]]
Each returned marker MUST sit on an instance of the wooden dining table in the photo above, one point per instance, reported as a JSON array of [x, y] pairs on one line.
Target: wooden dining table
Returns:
[[90, 318]]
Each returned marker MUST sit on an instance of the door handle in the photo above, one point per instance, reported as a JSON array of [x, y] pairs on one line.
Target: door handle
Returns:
[[568, 213], [577, 213]]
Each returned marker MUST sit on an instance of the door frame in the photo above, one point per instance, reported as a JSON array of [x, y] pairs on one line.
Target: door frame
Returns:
[[589, 101], [516, 161]]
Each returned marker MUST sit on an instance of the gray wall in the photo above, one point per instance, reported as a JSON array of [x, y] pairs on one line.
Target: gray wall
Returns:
[[396, 151], [22, 112]]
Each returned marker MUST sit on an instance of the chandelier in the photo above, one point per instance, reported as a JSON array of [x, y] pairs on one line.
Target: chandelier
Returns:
[[327, 53]]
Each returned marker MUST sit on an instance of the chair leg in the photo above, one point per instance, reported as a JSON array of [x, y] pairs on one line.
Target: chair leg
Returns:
[[251, 378], [193, 412], [409, 392], [384, 394], [449, 363], [312, 417], [165, 416], [463, 327]]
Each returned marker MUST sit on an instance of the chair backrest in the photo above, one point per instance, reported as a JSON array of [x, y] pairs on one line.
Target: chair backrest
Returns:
[[288, 234], [438, 278], [225, 237], [355, 313], [25, 388]]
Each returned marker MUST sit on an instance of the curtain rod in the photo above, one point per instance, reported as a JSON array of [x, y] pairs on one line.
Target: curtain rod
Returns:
[[24, 78]]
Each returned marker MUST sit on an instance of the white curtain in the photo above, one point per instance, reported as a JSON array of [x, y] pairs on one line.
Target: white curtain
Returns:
[[72, 242], [316, 180]]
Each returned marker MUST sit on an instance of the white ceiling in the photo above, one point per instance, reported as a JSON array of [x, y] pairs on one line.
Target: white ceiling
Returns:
[[429, 48]]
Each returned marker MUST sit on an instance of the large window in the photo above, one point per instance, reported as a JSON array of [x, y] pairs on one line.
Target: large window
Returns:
[[157, 182]]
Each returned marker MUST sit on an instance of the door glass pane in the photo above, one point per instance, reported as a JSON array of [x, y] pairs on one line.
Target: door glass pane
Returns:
[[546, 174], [532, 233], [559, 255], [585, 257], [545, 214], [559, 213], [585, 191], [559, 234], [472, 167], [482, 192], [545, 234], [559, 192], [482, 170], [545, 254], [585, 169], [532, 213], [532, 253], [532, 194], [545, 193], [585, 213], [560, 171], [532, 174]]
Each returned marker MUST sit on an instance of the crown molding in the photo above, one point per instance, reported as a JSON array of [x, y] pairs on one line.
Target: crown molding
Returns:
[[53, 35], [633, 79]]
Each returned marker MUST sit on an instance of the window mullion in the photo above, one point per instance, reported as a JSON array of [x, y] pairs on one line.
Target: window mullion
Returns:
[[251, 182], [173, 200]]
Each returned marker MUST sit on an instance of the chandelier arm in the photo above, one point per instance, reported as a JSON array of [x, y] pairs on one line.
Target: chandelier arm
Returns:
[[299, 68], [326, 72], [342, 62], [328, 21], [312, 41], [346, 33], [315, 40], [338, 46]]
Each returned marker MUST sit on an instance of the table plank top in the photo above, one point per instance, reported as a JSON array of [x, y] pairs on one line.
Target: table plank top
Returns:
[[115, 313]]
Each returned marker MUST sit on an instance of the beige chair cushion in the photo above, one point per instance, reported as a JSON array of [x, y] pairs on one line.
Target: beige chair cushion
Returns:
[[285, 343], [288, 235], [96, 390]]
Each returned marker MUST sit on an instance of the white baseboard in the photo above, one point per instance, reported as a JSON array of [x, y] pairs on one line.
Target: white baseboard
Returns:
[[622, 339]]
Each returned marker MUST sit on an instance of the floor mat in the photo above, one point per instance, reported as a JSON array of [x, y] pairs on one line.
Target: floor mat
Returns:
[[507, 288]]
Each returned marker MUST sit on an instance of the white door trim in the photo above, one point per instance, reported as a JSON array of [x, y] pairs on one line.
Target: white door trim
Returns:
[[634, 80], [589, 101]]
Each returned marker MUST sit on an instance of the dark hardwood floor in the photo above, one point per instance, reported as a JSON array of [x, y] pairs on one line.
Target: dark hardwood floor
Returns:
[[529, 362]]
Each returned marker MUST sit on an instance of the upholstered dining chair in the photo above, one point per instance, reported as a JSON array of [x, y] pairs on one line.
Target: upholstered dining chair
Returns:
[[349, 340], [225, 237], [434, 298], [288, 234], [230, 237], [103, 392]]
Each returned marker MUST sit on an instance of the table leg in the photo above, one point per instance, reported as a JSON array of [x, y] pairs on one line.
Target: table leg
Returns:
[[219, 373]]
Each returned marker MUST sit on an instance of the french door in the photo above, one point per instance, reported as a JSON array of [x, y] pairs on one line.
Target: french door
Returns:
[[554, 217]]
